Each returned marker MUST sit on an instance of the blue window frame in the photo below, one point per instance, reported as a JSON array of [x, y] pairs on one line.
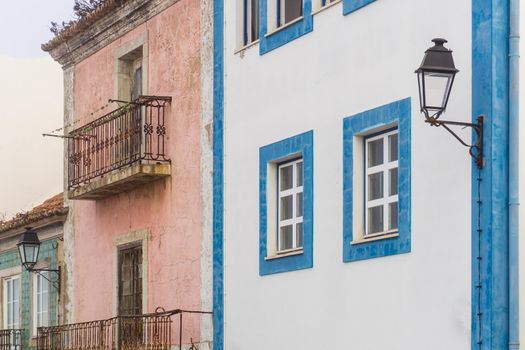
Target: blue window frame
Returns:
[[356, 129], [274, 33], [327, 2], [350, 6], [272, 259]]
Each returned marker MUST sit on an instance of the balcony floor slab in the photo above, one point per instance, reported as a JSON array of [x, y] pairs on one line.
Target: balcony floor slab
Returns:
[[120, 180]]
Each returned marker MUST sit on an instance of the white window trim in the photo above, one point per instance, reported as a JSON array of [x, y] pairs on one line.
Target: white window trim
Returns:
[[244, 48], [129, 239], [34, 300], [5, 301], [384, 168], [120, 52], [320, 8], [294, 191]]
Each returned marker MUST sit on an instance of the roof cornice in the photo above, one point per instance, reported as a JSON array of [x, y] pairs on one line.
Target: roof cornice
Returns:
[[85, 40]]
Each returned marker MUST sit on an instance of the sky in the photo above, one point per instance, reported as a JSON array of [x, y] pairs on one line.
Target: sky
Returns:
[[24, 25], [31, 96]]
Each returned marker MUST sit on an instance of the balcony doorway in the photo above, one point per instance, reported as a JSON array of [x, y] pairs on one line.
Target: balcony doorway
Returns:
[[130, 281]]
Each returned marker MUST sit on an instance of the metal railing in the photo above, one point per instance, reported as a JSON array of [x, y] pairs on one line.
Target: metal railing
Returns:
[[144, 332], [11, 339], [132, 133]]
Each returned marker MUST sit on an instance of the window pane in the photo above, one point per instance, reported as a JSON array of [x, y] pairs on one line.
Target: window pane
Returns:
[[375, 186], [286, 238], [16, 289], [299, 205], [392, 225], [45, 320], [136, 88], [299, 234], [286, 177], [299, 172], [436, 86], [292, 10], [38, 298], [393, 182], [375, 153], [393, 148], [375, 219], [287, 207], [255, 20], [45, 302]]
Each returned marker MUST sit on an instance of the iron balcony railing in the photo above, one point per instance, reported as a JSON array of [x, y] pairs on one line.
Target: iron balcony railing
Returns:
[[11, 339], [143, 332], [132, 133]]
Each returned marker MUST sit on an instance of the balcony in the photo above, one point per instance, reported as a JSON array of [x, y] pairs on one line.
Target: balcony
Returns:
[[11, 339], [119, 151], [143, 332]]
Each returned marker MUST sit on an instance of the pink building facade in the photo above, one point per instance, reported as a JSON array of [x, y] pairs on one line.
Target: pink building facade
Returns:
[[138, 238]]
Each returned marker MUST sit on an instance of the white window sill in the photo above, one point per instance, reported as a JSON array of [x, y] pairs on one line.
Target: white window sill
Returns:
[[285, 253], [246, 47], [325, 7], [376, 237], [298, 19]]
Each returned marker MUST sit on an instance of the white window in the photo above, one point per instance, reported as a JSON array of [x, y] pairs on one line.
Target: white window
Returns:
[[40, 301], [288, 11], [11, 302], [290, 206], [323, 3], [250, 21], [381, 184]]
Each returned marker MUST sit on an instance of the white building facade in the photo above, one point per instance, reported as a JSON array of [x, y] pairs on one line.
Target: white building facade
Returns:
[[341, 219]]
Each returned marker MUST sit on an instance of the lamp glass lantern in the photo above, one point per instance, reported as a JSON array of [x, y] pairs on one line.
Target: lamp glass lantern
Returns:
[[29, 247], [435, 79]]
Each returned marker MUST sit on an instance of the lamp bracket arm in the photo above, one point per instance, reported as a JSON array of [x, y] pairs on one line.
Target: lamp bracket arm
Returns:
[[55, 282], [475, 149]]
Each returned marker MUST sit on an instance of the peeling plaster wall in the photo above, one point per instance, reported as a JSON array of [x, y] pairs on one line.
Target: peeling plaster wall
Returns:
[[171, 209], [206, 170], [69, 233]]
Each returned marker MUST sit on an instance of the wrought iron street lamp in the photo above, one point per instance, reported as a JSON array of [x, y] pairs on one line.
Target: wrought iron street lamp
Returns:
[[435, 79], [29, 248]]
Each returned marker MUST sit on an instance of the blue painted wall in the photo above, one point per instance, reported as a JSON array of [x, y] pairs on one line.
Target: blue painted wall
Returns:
[[218, 174], [350, 6], [490, 24], [271, 41], [302, 144], [398, 112]]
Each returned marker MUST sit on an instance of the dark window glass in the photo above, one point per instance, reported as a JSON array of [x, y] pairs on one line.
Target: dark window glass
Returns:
[[375, 219], [292, 9], [393, 207], [286, 239], [375, 153], [255, 20], [136, 87], [130, 281], [375, 186]]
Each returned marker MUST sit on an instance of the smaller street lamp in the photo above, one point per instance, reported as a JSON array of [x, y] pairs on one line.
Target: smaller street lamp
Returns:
[[29, 248], [435, 79]]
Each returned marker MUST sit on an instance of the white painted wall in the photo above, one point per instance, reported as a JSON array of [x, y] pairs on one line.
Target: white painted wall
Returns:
[[31, 96], [349, 64]]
